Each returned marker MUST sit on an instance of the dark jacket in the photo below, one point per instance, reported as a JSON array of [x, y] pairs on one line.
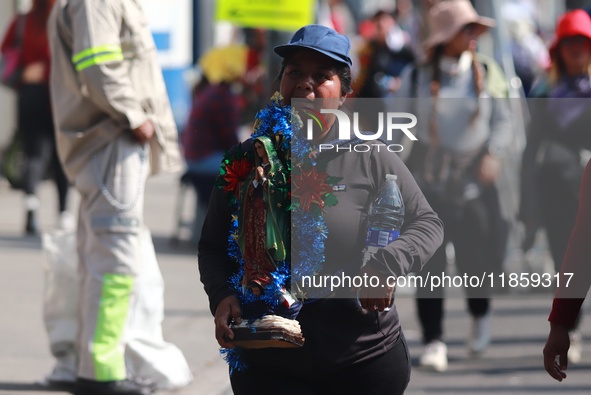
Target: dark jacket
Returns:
[[558, 133]]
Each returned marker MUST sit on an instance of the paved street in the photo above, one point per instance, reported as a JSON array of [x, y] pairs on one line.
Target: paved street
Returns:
[[513, 364]]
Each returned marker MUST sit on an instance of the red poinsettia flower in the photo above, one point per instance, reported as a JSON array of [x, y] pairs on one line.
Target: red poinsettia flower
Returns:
[[236, 172], [310, 187]]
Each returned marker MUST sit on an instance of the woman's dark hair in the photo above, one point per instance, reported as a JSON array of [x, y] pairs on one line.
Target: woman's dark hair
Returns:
[[558, 68], [343, 72], [201, 85], [40, 11]]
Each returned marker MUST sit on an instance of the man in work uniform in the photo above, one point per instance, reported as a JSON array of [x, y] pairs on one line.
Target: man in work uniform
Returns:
[[114, 127]]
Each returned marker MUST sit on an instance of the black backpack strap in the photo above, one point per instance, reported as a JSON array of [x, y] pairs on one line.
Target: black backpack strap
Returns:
[[20, 29], [414, 85], [19, 33]]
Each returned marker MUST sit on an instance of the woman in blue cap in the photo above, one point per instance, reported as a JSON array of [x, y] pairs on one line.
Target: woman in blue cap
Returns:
[[352, 345]]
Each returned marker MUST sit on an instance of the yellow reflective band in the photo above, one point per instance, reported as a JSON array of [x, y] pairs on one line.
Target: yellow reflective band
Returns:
[[99, 60], [109, 48], [108, 354]]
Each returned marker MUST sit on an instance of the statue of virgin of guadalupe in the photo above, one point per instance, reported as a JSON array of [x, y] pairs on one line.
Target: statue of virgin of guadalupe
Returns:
[[268, 308], [264, 226]]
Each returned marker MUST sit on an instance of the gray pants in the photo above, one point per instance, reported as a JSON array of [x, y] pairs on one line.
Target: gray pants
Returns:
[[117, 264]]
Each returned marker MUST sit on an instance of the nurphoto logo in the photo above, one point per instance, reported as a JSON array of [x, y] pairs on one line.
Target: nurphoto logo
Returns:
[[395, 121]]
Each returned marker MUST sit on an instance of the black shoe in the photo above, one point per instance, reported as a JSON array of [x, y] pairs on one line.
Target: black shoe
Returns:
[[122, 387], [31, 228], [57, 385]]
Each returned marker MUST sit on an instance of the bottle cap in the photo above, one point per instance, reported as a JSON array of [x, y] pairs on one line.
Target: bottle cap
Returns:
[[393, 177]]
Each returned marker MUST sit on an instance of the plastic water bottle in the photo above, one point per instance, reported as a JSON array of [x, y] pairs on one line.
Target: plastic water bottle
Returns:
[[386, 216]]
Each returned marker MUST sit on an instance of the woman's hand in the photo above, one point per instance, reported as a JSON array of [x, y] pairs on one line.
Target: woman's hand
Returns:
[[144, 132], [372, 298], [557, 345], [228, 309], [259, 174], [489, 169]]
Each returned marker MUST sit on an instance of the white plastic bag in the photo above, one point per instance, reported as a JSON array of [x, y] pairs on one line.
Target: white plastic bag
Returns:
[[147, 355], [60, 301]]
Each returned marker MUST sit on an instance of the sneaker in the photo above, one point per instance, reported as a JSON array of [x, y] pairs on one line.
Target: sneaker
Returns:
[[435, 356], [480, 336], [121, 387], [67, 221], [32, 202], [576, 347], [64, 370]]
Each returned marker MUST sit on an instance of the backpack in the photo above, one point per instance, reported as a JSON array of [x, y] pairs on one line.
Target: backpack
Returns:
[[10, 62]]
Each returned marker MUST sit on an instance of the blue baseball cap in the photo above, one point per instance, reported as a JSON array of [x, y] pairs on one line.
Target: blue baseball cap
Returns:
[[320, 39]]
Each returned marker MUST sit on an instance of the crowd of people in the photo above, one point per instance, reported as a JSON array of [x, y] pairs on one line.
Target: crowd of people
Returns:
[[462, 143], [458, 158], [107, 126], [460, 151]]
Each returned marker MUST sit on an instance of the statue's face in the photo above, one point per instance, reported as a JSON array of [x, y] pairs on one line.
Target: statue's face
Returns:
[[261, 151]]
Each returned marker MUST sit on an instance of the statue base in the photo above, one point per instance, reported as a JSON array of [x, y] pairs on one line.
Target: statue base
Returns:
[[270, 331]]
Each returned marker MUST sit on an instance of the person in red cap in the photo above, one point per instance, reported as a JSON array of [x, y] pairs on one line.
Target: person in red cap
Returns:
[[552, 165]]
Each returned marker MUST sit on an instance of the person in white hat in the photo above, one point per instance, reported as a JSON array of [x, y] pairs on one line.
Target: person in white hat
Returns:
[[462, 134]]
